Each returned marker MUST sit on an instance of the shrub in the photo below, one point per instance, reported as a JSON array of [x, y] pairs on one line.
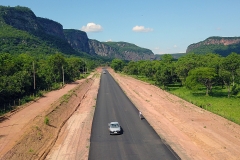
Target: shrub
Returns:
[[46, 120]]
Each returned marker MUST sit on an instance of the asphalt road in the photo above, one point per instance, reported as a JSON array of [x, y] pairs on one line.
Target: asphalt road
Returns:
[[138, 140]]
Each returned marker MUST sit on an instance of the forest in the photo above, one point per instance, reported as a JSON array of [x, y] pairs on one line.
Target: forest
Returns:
[[33, 62], [209, 81], [24, 77]]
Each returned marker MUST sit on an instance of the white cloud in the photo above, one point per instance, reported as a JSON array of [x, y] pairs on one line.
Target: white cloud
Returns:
[[92, 27], [181, 52], [141, 29], [110, 40], [175, 46], [161, 52]]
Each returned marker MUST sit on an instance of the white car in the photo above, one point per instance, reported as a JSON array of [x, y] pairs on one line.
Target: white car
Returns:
[[114, 128]]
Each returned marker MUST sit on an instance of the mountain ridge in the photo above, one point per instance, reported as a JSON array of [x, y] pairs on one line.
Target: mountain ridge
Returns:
[[68, 41], [220, 45]]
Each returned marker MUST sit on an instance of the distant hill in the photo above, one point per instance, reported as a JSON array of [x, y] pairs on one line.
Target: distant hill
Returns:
[[123, 50], [174, 55], [22, 31], [219, 45]]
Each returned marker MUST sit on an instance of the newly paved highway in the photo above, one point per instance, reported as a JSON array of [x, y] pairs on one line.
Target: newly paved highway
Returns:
[[138, 141]]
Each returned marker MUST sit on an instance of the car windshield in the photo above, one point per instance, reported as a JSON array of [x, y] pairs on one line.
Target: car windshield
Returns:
[[114, 125]]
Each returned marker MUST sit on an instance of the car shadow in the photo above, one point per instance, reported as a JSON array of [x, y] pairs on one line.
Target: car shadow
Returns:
[[142, 118], [121, 131]]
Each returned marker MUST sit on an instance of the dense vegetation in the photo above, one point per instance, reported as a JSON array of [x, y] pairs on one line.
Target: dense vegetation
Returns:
[[16, 41], [221, 49], [123, 46], [23, 77], [218, 49], [20, 51], [207, 80], [21, 34], [174, 55]]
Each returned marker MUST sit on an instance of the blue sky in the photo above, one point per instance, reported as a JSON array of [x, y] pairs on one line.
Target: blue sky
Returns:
[[163, 26]]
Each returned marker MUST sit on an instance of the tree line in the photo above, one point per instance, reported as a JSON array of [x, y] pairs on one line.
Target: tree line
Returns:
[[193, 71], [23, 75]]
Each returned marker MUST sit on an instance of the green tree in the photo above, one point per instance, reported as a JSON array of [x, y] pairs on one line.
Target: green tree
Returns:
[[211, 60], [201, 76], [57, 63], [226, 78], [73, 67], [131, 68], [231, 63], [117, 65], [185, 64], [164, 74], [148, 70]]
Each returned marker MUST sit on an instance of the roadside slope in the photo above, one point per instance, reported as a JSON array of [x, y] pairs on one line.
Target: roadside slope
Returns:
[[74, 139], [32, 139], [13, 127]]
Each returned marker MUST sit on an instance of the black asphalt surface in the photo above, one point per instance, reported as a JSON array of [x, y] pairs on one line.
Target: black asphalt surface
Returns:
[[137, 142]]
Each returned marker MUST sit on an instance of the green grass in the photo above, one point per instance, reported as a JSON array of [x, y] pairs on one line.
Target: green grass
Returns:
[[143, 78], [217, 103]]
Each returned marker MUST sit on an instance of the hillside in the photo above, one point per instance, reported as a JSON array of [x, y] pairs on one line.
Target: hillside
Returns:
[[122, 50], [220, 45], [21, 31]]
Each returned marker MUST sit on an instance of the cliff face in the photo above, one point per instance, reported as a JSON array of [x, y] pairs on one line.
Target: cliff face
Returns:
[[51, 27], [121, 50], [78, 40], [226, 41], [101, 49], [23, 18]]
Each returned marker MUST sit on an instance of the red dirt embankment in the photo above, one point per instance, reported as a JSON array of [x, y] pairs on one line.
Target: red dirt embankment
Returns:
[[25, 135]]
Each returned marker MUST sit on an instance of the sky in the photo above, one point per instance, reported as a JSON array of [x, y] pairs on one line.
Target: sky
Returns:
[[163, 26]]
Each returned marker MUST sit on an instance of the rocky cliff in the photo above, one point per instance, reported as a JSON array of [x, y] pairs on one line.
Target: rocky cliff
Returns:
[[121, 50], [23, 18], [51, 27], [78, 40], [68, 41], [214, 44], [101, 49]]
